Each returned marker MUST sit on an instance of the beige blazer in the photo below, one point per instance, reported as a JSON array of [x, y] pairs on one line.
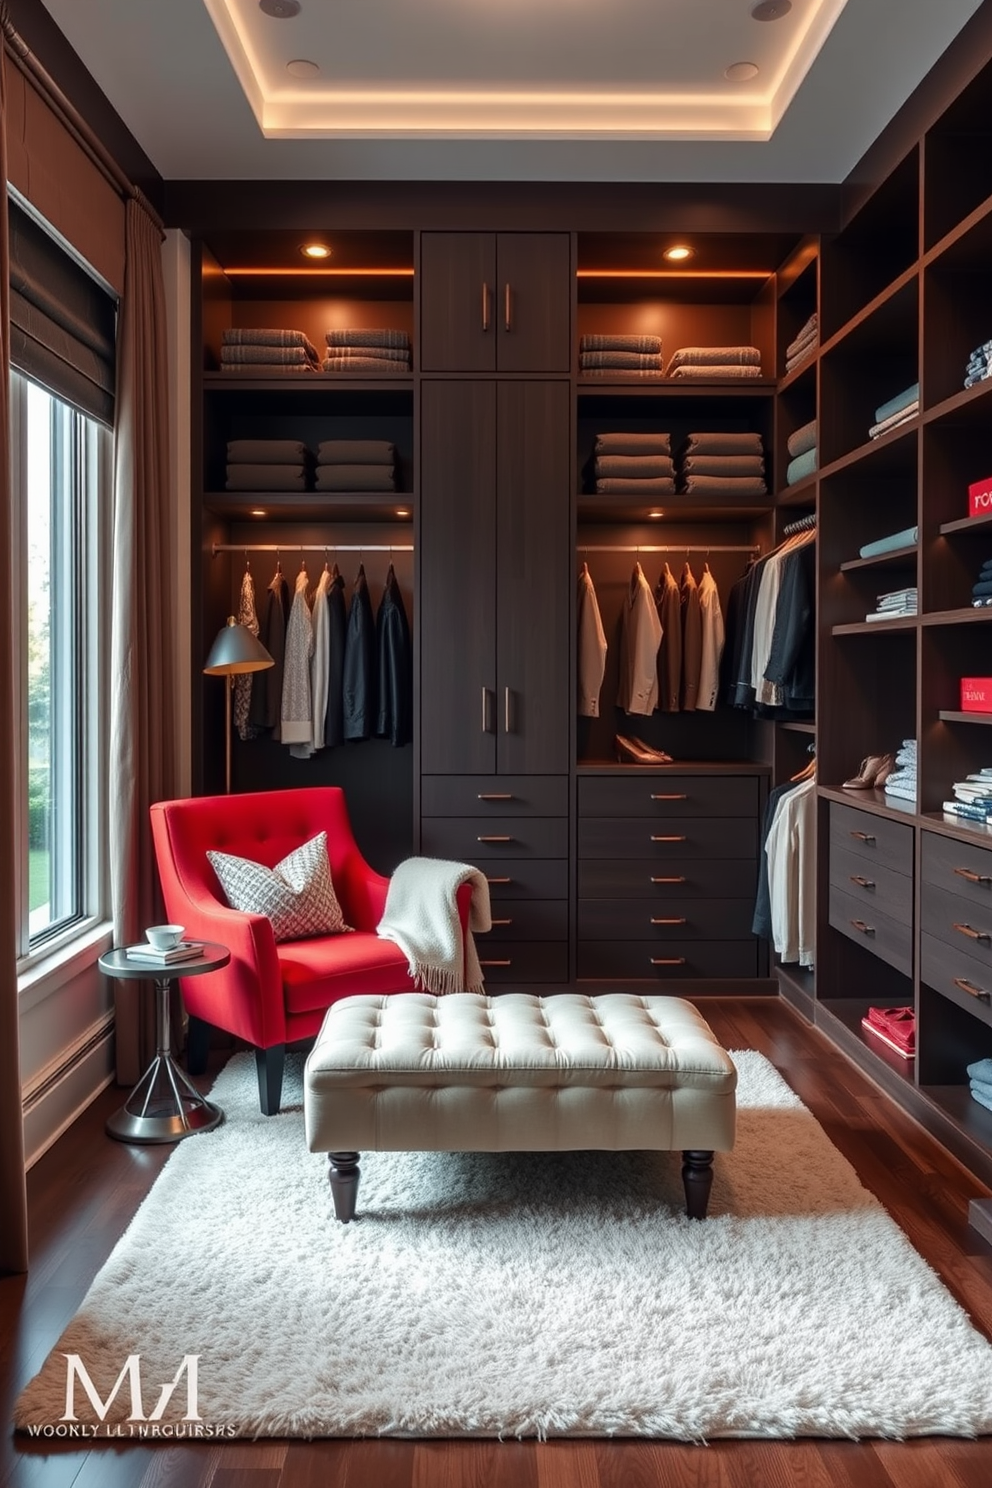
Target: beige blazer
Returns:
[[592, 647], [640, 637]]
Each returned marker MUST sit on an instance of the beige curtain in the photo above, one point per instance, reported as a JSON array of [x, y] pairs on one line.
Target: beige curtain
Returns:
[[13, 1199], [142, 762]]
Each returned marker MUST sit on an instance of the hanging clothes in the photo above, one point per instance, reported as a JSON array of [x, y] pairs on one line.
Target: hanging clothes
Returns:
[[791, 666], [359, 663], [320, 620], [713, 639], [668, 602], [640, 637], [337, 625], [296, 727], [247, 617], [394, 652], [692, 640], [790, 848], [592, 646], [265, 708]]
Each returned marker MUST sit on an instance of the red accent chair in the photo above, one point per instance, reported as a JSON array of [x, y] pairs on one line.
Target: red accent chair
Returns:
[[272, 994]]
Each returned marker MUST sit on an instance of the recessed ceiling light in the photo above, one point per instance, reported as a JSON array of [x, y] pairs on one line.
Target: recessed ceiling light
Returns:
[[656, 514], [280, 10], [678, 253], [771, 10], [741, 72], [256, 511], [301, 68], [401, 511], [315, 250]]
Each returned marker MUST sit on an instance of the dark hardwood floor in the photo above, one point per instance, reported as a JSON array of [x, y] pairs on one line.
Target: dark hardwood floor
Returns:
[[84, 1191]]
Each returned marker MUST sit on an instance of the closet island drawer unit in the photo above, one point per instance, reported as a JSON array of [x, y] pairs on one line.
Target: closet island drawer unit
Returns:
[[956, 917], [871, 883], [667, 870], [514, 829]]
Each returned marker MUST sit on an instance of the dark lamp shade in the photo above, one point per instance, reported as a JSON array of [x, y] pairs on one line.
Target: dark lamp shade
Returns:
[[236, 650]]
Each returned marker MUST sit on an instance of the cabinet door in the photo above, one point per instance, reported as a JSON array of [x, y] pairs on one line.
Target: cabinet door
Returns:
[[458, 302], [457, 564], [533, 577], [533, 302]]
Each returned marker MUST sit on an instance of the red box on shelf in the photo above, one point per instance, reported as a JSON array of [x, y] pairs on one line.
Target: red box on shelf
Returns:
[[976, 694], [980, 498]]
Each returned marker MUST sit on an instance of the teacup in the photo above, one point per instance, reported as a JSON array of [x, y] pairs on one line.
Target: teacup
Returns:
[[164, 937]]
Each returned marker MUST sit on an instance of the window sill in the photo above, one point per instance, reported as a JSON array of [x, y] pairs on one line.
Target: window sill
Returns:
[[50, 970]]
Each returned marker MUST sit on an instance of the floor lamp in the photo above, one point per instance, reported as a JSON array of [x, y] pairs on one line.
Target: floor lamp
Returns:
[[234, 651]]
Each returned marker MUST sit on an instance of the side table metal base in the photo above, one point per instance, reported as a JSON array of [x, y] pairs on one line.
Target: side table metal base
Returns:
[[163, 1107]]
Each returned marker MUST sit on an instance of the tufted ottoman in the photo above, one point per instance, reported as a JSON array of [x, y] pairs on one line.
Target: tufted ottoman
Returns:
[[517, 1073]]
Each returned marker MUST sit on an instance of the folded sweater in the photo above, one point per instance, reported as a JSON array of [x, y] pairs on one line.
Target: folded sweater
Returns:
[[266, 451], [688, 371], [802, 439], [633, 466], [738, 465], [382, 338], [897, 403], [355, 452], [630, 486], [802, 466], [633, 444], [650, 345], [723, 444], [242, 477], [715, 356], [355, 478], [709, 485]]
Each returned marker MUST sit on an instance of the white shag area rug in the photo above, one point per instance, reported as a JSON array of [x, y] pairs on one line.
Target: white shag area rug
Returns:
[[517, 1295]]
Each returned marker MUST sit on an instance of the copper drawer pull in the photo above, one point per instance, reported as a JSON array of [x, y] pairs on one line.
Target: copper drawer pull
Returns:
[[864, 883], [487, 716], [507, 962], [668, 839], [676, 878], [494, 796], [679, 796], [507, 879], [485, 307], [979, 878], [494, 839], [501, 922], [506, 308], [678, 920], [667, 960], [863, 928], [863, 836], [972, 933], [971, 989]]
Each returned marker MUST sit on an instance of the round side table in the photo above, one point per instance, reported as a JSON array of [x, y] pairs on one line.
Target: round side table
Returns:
[[163, 1106]]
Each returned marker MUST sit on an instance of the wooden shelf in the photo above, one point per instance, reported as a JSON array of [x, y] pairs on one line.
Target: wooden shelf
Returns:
[[968, 615], [946, 716], [875, 801], [799, 728], [615, 383], [882, 560], [674, 508], [803, 493], [876, 627], [324, 382], [965, 524], [310, 506]]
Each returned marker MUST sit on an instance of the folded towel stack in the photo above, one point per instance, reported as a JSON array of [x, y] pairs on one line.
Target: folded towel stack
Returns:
[[906, 538], [804, 456], [980, 1076], [634, 356], [707, 362], [981, 593], [722, 464], [896, 411], [261, 352], [902, 781], [356, 465], [267, 465], [979, 365], [804, 344], [895, 603], [633, 465], [356, 350], [972, 798]]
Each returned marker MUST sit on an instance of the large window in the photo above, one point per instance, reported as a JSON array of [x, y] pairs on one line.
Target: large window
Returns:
[[61, 467]]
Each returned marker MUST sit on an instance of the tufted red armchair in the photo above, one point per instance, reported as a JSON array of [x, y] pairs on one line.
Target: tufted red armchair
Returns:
[[272, 994]]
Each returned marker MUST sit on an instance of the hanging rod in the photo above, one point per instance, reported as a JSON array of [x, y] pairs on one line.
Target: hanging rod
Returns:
[[674, 548], [330, 547], [801, 524]]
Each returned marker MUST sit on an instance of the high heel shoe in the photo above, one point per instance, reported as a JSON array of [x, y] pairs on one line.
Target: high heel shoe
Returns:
[[874, 769], [636, 752]]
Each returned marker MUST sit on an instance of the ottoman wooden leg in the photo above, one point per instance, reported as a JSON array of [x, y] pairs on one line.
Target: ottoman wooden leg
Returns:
[[343, 1175], [697, 1179]]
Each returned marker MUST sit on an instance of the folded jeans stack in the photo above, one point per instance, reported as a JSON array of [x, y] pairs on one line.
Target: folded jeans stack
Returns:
[[633, 464], [260, 352], [901, 783], [980, 1079], [972, 797], [634, 356], [981, 593], [267, 465], [356, 465], [707, 362], [355, 349], [979, 365], [895, 604], [724, 464], [803, 453], [896, 1027], [804, 344], [896, 411]]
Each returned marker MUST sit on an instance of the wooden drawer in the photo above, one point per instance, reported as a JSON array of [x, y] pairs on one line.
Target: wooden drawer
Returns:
[[528, 919], [952, 919], [875, 886], [494, 795], [632, 959], [957, 976], [686, 837], [470, 839], [647, 919], [872, 837], [527, 878], [669, 795], [882, 936], [524, 961], [960, 868], [694, 878]]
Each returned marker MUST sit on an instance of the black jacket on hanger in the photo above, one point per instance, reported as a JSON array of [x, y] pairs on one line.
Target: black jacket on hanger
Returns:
[[359, 687], [266, 695], [394, 720], [337, 626]]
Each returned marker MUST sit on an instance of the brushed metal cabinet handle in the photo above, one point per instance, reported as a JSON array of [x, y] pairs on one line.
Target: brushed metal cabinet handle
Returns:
[[487, 710], [494, 796], [865, 883], [655, 838], [979, 878], [675, 878], [677, 920], [485, 306], [503, 880], [494, 839], [862, 928], [863, 836], [971, 989], [507, 962], [667, 960], [506, 308], [502, 922], [674, 796], [507, 721], [972, 933]]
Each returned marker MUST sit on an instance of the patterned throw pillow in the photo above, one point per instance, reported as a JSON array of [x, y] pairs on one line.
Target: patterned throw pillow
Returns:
[[297, 895]]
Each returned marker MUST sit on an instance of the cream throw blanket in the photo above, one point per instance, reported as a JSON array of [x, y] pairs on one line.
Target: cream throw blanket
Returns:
[[421, 917]]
